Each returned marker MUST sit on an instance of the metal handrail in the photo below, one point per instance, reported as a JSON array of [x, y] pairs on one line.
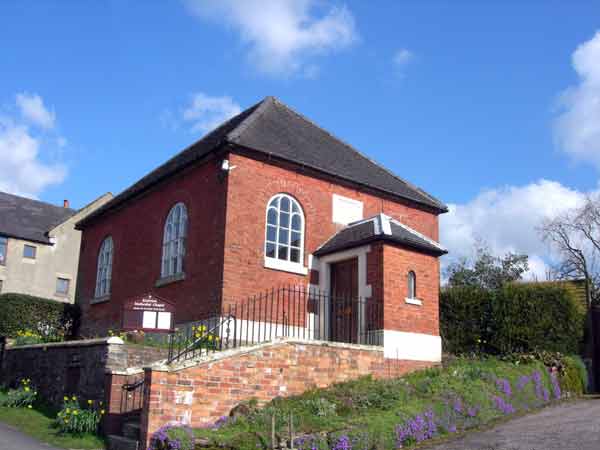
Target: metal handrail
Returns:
[[192, 347]]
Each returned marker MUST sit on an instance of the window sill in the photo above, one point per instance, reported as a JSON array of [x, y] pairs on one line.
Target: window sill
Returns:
[[102, 299], [413, 301], [170, 279], [285, 266]]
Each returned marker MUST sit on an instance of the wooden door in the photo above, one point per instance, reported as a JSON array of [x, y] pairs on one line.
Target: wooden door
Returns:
[[344, 301]]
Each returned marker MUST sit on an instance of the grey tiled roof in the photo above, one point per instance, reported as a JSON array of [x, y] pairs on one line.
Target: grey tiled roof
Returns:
[[29, 219], [379, 228], [274, 129]]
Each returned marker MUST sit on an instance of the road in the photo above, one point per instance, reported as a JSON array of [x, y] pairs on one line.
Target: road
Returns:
[[569, 426], [11, 439]]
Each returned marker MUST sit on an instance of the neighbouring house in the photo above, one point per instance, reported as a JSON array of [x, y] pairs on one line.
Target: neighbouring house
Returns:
[[269, 206], [39, 246]]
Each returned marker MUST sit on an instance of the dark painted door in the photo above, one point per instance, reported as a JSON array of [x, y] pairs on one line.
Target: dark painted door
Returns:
[[344, 298]]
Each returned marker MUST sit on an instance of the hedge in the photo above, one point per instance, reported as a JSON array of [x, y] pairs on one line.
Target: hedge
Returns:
[[517, 318], [48, 317]]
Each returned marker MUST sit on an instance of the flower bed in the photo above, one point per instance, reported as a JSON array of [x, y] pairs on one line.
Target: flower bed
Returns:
[[397, 413]]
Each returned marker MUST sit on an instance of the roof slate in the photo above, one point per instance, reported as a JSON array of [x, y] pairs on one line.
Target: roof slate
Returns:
[[272, 128], [379, 227], [28, 219]]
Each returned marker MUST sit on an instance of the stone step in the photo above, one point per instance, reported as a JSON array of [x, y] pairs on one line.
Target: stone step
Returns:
[[131, 430], [121, 443]]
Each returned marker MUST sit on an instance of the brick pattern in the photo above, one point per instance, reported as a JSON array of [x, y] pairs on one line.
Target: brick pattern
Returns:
[[398, 315], [201, 394], [137, 232], [252, 184]]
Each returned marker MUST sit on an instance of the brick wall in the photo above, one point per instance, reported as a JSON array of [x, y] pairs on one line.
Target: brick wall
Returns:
[[399, 315], [200, 394], [253, 183], [137, 232]]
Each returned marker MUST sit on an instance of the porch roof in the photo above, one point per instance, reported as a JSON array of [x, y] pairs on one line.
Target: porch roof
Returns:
[[379, 228]]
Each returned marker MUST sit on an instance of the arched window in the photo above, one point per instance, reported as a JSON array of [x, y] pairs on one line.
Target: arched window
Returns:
[[285, 230], [174, 241], [412, 285], [104, 272]]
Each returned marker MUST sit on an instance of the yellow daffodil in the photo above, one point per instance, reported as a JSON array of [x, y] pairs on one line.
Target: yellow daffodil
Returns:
[[75, 412], [65, 398], [68, 410], [90, 402], [26, 389], [101, 412], [29, 406], [73, 398]]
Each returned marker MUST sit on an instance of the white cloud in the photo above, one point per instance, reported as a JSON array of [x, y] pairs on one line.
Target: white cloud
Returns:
[[402, 57], [507, 219], [33, 110], [577, 128], [282, 35], [24, 169], [205, 112]]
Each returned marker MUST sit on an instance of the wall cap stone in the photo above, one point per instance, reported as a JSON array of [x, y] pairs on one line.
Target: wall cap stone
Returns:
[[162, 366], [80, 343]]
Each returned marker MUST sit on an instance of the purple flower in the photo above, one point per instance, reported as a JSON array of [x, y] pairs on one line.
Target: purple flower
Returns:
[[452, 429], [343, 443], [458, 406], [555, 386], [523, 380], [504, 386], [503, 405], [472, 412]]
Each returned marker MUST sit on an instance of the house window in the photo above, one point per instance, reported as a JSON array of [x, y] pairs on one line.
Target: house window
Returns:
[[3, 249], [174, 241], [412, 285], [285, 230], [62, 286], [104, 272], [29, 251]]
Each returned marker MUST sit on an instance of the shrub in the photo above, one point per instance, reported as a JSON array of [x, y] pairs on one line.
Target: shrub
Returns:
[[28, 337], [51, 319], [22, 397], [172, 437], [517, 318], [74, 419]]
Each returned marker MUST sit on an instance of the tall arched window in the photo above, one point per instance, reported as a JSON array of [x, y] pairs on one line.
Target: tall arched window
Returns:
[[174, 236], [104, 271], [412, 285], [285, 230]]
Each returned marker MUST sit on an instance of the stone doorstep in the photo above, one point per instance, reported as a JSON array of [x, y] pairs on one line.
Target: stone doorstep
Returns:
[[122, 443], [131, 430]]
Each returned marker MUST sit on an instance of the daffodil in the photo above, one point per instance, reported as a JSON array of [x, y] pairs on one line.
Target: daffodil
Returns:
[[90, 402], [74, 398], [29, 406]]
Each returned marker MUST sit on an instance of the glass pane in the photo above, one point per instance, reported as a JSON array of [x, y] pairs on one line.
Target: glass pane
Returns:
[[284, 220], [295, 255], [295, 207], [271, 233], [282, 252], [274, 203], [296, 222], [285, 204], [284, 236], [272, 216], [270, 250], [295, 239]]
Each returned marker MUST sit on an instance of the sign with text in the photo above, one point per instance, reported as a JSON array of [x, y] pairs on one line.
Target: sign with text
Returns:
[[148, 312]]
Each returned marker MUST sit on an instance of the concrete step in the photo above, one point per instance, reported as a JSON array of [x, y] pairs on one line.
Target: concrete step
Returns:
[[121, 443], [131, 430]]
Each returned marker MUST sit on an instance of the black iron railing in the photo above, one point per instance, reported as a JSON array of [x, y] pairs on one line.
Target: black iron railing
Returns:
[[132, 396], [293, 312]]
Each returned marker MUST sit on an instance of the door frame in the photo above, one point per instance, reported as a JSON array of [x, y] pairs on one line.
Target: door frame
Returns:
[[364, 289]]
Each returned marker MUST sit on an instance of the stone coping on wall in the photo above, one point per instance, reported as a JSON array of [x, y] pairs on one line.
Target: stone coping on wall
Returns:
[[126, 372], [162, 366], [79, 343]]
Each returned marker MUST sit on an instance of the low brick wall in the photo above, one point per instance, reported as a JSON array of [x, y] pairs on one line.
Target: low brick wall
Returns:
[[201, 392]]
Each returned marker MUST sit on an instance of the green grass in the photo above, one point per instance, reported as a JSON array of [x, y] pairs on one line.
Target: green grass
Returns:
[[39, 424], [368, 411]]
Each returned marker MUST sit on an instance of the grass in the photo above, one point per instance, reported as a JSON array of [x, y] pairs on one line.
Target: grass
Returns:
[[367, 412], [38, 423]]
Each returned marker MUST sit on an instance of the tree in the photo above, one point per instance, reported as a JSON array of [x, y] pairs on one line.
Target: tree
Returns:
[[487, 271], [575, 238]]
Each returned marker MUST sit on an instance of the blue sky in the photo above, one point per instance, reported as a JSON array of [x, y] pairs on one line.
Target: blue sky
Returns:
[[465, 99]]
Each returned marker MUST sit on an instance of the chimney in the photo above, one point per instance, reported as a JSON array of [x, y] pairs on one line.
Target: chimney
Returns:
[[65, 203]]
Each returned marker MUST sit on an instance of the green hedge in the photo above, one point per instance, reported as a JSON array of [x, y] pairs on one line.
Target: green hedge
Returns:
[[517, 318], [20, 312]]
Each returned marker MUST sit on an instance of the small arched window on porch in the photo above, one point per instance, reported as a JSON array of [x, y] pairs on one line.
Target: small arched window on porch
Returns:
[[412, 285]]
